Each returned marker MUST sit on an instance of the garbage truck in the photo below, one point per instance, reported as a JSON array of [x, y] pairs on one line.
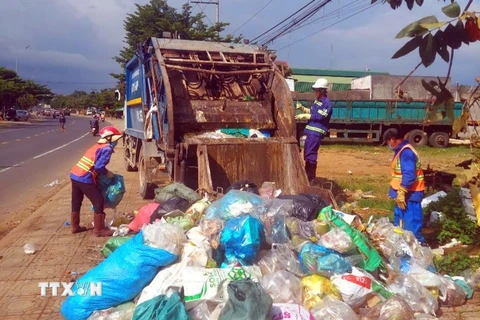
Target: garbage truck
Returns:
[[181, 94]]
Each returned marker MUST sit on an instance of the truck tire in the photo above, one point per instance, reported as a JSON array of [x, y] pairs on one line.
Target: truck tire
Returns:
[[417, 138], [146, 189], [439, 139]]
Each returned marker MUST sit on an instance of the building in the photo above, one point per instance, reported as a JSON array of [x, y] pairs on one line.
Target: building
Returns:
[[382, 87], [339, 79]]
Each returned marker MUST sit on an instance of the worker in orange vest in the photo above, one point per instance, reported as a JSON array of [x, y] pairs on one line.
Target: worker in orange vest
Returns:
[[83, 177], [407, 186]]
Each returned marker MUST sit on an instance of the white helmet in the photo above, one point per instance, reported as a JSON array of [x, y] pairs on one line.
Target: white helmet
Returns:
[[321, 83]]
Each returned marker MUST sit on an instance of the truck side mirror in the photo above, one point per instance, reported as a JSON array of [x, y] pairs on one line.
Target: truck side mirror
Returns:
[[117, 95]]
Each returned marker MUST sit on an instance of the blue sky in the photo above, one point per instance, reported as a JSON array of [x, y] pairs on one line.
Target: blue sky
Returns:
[[72, 42]]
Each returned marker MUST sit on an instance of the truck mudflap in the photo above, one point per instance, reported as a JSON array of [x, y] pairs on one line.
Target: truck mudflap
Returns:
[[220, 162]]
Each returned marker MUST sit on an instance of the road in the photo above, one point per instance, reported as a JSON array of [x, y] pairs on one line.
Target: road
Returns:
[[35, 154]]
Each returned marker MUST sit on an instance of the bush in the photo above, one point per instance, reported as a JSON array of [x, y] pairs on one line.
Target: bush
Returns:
[[455, 222], [456, 262]]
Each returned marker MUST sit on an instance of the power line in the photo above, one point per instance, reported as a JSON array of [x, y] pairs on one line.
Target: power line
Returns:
[[296, 22], [62, 82], [333, 24], [284, 20], [252, 16]]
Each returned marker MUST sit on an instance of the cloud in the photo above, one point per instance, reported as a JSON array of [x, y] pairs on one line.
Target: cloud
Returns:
[[74, 41]]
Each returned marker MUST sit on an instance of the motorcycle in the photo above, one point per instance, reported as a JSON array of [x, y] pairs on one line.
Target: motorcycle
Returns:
[[94, 131]]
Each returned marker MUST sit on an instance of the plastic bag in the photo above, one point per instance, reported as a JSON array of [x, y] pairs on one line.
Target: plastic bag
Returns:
[[394, 308], [472, 278], [355, 286], [333, 309], [161, 308], [172, 204], [244, 185], [289, 311], [372, 260], [280, 257], [241, 240], [143, 216], [272, 214], [306, 207], [283, 287], [207, 310], [316, 259], [246, 300], [267, 190], [455, 296], [462, 283], [338, 240], [176, 190], [184, 222], [196, 210], [113, 244], [315, 288], [112, 189], [164, 236], [201, 284], [212, 229], [417, 296], [121, 312], [233, 204], [123, 275]]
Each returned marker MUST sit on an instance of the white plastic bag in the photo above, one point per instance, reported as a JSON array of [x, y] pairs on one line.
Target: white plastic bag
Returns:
[[164, 236], [283, 287], [337, 239], [332, 309], [417, 297], [201, 284], [281, 311], [121, 312], [280, 257]]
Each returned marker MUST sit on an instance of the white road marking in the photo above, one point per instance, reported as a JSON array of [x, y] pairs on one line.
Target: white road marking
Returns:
[[43, 154], [14, 166], [9, 130], [58, 148]]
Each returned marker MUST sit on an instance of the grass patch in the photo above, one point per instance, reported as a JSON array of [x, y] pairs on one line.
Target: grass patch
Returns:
[[376, 184], [378, 204]]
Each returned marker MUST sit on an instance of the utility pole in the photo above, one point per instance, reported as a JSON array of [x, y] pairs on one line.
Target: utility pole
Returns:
[[217, 3]]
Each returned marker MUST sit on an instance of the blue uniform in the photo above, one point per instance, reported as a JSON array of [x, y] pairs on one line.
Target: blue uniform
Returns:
[[102, 158], [412, 216], [317, 128]]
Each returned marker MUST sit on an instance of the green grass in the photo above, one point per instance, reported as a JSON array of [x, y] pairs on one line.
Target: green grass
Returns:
[[427, 151]]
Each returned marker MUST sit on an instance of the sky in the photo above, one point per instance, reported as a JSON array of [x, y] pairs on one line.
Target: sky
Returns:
[[71, 42]]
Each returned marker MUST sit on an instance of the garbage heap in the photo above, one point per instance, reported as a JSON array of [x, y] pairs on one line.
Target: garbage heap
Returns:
[[255, 254]]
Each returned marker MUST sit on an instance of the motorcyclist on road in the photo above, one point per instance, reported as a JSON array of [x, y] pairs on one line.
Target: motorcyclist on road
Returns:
[[94, 123], [62, 121]]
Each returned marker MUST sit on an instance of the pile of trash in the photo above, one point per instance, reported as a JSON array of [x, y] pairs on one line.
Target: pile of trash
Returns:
[[256, 254]]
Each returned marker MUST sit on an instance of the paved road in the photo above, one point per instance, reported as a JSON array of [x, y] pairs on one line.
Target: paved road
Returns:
[[35, 154]]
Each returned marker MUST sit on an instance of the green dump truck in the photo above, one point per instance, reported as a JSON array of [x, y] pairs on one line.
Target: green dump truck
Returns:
[[367, 121]]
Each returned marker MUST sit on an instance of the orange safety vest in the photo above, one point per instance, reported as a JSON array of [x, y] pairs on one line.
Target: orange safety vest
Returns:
[[419, 184], [87, 162]]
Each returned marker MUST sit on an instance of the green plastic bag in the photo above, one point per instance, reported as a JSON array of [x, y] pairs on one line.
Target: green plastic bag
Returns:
[[161, 308], [371, 259], [113, 243]]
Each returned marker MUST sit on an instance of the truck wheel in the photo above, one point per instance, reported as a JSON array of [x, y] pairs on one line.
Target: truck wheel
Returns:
[[147, 189], [417, 138], [439, 139]]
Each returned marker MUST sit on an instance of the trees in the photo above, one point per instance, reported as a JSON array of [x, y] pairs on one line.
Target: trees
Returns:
[[15, 91], [156, 17]]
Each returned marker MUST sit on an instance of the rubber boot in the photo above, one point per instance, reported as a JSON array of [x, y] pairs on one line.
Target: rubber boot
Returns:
[[75, 223], [311, 169], [99, 229]]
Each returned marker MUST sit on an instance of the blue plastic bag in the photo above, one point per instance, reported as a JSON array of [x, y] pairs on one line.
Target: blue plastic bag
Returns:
[[241, 240], [234, 204], [123, 275], [316, 259], [112, 189]]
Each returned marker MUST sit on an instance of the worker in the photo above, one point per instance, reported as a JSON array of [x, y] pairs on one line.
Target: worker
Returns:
[[407, 186], [318, 117], [62, 121], [83, 177]]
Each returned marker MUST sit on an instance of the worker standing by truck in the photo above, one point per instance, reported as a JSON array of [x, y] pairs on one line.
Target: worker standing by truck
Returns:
[[319, 116], [83, 176], [407, 186]]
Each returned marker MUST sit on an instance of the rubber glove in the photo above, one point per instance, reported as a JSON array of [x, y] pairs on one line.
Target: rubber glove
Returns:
[[400, 200], [110, 174], [301, 107], [303, 116]]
